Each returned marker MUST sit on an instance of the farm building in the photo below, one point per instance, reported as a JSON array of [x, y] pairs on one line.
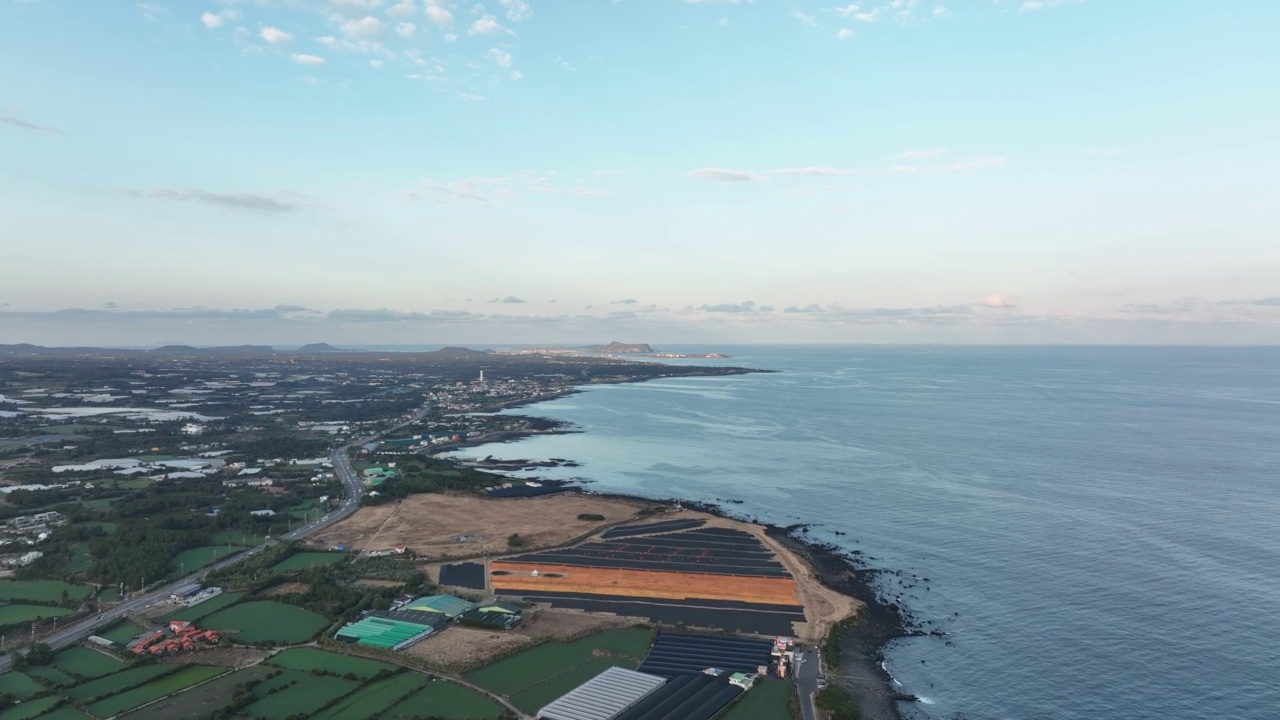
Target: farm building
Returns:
[[498, 616], [384, 632], [447, 605], [603, 697]]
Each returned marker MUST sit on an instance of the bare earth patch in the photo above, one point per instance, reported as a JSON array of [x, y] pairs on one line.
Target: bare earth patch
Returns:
[[286, 589], [428, 523], [219, 657], [374, 582], [563, 624], [458, 645]]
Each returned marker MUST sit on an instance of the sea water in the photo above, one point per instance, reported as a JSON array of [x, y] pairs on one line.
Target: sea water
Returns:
[[1099, 526]]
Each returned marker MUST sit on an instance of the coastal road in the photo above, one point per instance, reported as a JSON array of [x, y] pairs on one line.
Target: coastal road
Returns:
[[353, 490], [808, 667]]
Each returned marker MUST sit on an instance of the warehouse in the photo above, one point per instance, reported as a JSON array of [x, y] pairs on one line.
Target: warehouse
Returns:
[[603, 697], [447, 605], [384, 633]]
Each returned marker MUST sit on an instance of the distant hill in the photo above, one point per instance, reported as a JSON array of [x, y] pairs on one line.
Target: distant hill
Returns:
[[221, 350], [319, 348], [617, 347], [457, 352]]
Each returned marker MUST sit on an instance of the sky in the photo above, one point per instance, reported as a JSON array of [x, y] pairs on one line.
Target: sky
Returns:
[[678, 171]]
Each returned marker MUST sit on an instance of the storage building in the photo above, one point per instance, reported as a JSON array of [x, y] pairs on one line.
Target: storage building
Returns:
[[603, 697]]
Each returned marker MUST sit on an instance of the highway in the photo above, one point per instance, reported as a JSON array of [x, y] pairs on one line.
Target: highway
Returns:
[[353, 490]]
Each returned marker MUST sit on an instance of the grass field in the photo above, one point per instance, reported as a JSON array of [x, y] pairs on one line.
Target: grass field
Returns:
[[15, 614], [18, 685], [86, 663], [51, 675], [533, 699], [236, 537], [308, 659], [301, 560], [200, 701], [66, 712], [32, 709], [288, 677], [41, 591], [535, 665], [120, 633], [208, 607], [196, 558], [372, 699], [266, 621], [153, 690], [768, 700], [116, 682], [304, 698], [446, 700]]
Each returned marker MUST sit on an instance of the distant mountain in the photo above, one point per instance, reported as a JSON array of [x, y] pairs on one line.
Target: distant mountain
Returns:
[[319, 348], [617, 347], [221, 350], [457, 352]]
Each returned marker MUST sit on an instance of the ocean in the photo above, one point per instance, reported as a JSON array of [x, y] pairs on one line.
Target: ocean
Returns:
[[1099, 526]]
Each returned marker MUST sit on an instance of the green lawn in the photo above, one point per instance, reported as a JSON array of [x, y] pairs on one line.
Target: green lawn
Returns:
[[18, 685], [304, 698], [15, 614], [301, 560], [308, 659], [532, 666], [121, 633], [31, 709], [266, 621], [196, 558], [533, 699], [768, 700], [86, 663], [372, 699], [122, 680], [41, 591], [208, 607], [154, 690], [446, 700]]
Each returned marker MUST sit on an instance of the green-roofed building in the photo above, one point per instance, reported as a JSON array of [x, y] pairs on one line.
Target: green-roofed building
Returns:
[[447, 605], [381, 632]]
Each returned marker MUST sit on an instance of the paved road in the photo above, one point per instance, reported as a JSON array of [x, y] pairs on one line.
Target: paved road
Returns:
[[808, 667], [353, 489]]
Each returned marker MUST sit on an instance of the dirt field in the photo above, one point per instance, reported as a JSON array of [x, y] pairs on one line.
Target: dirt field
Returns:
[[428, 523], [287, 589], [220, 657], [459, 645], [645, 583]]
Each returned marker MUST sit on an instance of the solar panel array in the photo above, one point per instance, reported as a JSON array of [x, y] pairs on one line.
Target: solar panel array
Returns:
[[680, 653]]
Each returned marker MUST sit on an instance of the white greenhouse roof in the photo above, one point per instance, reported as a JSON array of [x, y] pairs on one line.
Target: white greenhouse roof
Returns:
[[603, 697]]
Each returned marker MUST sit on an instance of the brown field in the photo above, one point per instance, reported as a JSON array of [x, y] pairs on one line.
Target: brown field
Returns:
[[463, 646], [646, 583], [428, 523], [286, 589]]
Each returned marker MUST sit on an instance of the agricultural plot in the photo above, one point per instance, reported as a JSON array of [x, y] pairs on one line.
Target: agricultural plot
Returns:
[[303, 698], [644, 583], [534, 698], [51, 675], [16, 614], [445, 700], [196, 558], [121, 633], [531, 667], [310, 659], [263, 621], [19, 685], [201, 701], [116, 682], [303, 560], [86, 663], [208, 607], [153, 690], [66, 712], [284, 679], [372, 699], [768, 700], [32, 709]]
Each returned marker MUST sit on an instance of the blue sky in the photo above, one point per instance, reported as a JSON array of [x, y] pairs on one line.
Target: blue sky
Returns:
[[428, 171]]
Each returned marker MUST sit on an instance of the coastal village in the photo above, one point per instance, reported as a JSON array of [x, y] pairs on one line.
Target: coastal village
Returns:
[[195, 518]]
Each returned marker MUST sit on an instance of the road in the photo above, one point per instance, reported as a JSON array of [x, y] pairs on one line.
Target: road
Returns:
[[808, 668], [353, 491]]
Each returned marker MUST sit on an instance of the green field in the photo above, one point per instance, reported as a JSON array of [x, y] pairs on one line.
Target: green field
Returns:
[[446, 700], [304, 698], [286, 678], [51, 675], [372, 699], [532, 666], [18, 685], [32, 709], [768, 700], [121, 633], [266, 621], [154, 690], [42, 591], [86, 663], [122, 680], [208, 607], [196, 558], [533, 699], [208, 698], [236, 537], [15, 614], [309, 659], [302, 560], [66, 712]]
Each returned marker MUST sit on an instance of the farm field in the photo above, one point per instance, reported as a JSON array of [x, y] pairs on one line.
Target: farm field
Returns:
[[374, 698], [121, 633], [266, 621], [644, 583], [301, 560], [31, 709], [304, 698], [236, 537], [446, 700], [19, 685], [535, 698], [51, 675], [116, 682], [208, 607], [66, 712], [14, 614], [768, 700], [535, 665], [308, 659], [196, 558], [286, 678], [200, 701], [86, 663], [153, 690]]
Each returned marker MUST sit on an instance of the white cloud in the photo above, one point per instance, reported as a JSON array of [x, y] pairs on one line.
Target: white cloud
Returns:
[[517, 75], [722, 175], [376, 64], [917, 154], [503, 59], [487, 25], [355, 7], [1033, 5], [275, 36], [439, 15], [844, 34], [980, 163], [517, 10], [365, 28], [404, 8], [303, 59], [406, 29], [804, 18], [940, 12], [809, 171], [996, 300], [211, 21]]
